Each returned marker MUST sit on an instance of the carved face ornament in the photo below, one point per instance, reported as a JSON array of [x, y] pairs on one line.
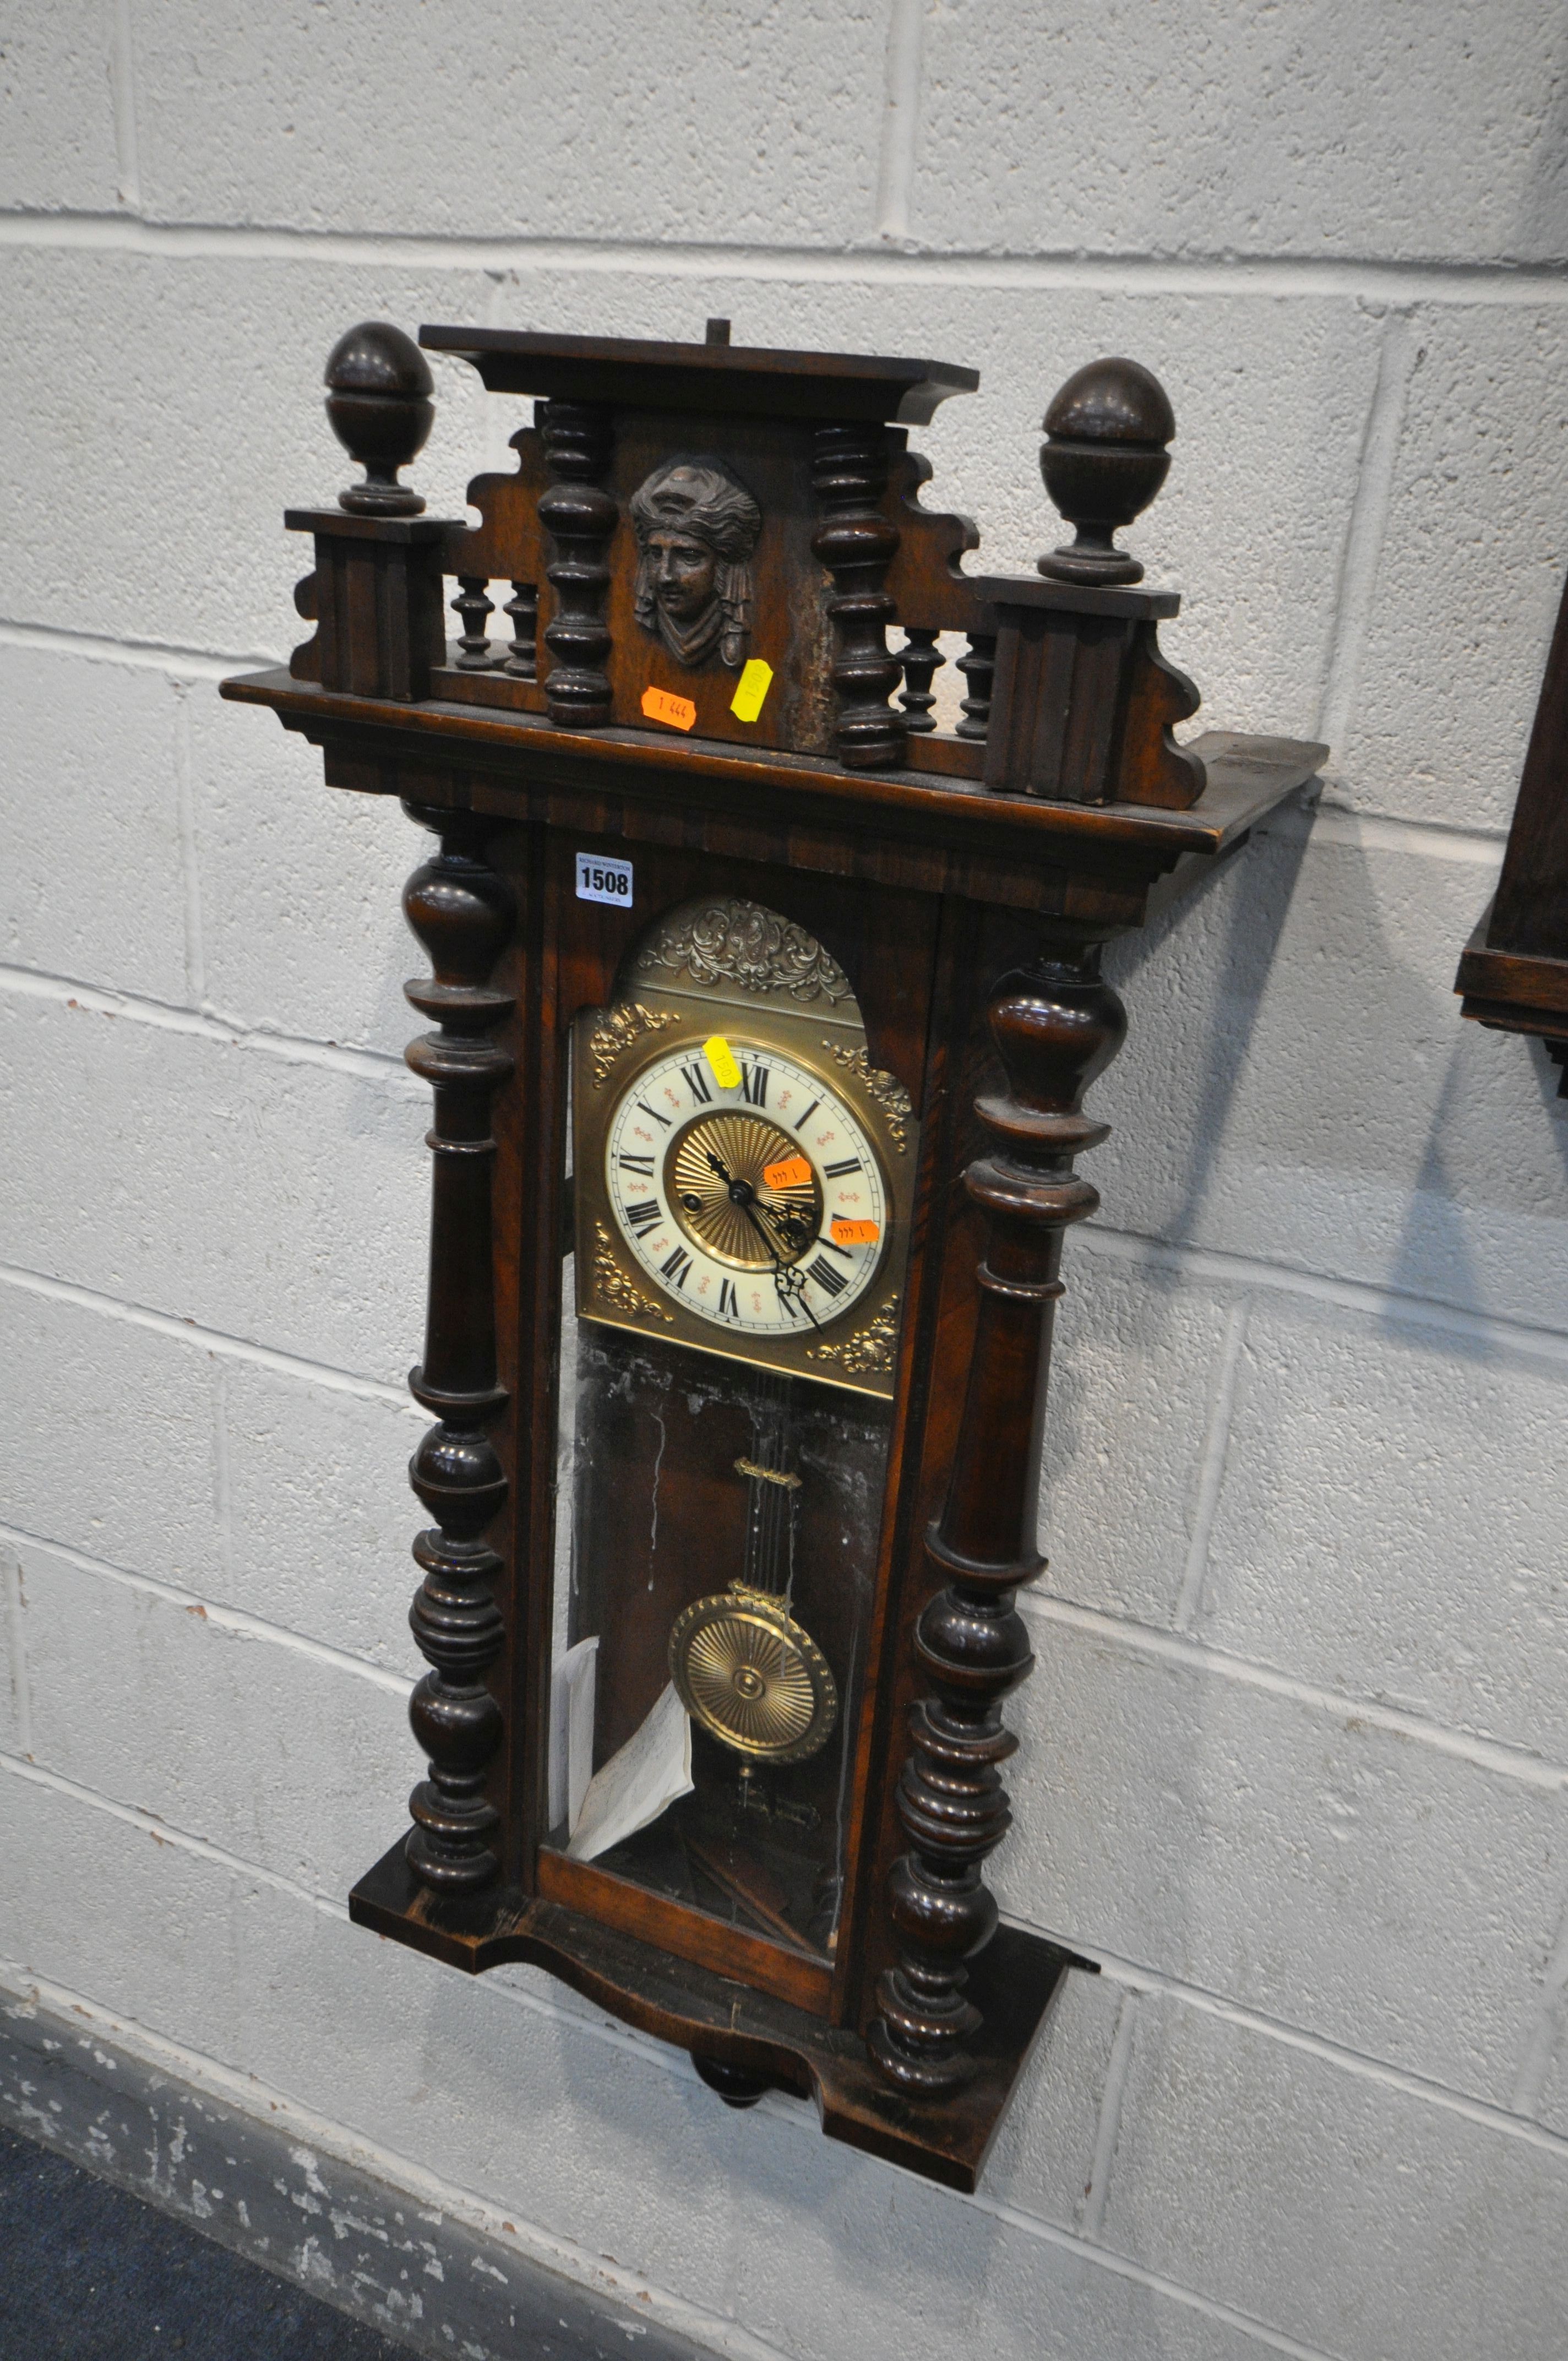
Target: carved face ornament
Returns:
[[697, 526]]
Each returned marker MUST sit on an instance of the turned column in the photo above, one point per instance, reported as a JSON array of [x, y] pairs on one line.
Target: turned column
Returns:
[[522, 662], [1056, 1026], [921, 660], [463, 912], [580, 517], [977, 665], [857, 543]]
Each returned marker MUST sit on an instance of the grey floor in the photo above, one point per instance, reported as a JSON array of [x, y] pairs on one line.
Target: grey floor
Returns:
[[88, 2273]]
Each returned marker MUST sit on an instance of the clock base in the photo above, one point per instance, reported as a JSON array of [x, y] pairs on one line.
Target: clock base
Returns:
[[735, 2034]]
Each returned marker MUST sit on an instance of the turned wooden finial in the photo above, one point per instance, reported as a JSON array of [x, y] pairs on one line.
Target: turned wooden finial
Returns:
[[1104, 461], [379, 389]]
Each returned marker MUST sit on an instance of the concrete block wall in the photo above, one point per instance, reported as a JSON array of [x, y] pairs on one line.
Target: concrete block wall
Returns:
[[1294, 1761]]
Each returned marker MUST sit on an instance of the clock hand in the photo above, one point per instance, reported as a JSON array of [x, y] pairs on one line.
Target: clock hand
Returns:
[[792, 1224], [788, 1283], [787, 1219]]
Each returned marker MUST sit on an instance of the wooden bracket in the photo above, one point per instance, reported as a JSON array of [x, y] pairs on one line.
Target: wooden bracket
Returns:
[[376, 598], [1083, 704]]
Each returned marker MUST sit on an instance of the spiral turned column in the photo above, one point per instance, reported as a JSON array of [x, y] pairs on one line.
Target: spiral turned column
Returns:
[[580, 517], [1056, 1026], [463, 912], [857, 543]]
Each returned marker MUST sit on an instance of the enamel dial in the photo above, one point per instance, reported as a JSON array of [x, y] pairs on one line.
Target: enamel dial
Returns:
[[758, 1203]]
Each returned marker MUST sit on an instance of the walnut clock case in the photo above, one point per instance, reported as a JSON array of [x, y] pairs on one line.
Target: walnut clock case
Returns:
[[1513, 972], [764, 1009]]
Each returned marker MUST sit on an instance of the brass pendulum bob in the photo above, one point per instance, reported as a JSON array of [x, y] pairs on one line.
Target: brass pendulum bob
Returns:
[[748, 1672]]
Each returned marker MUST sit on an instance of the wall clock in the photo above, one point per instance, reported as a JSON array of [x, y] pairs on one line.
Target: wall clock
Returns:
[[763, 1007]]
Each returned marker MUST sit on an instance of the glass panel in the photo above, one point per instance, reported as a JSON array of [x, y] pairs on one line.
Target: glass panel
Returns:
[[724, 1529], [743, 1180]]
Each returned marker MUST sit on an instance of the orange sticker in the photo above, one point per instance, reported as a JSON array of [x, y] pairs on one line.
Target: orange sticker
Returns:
[[660, 706], [796, 1173], [855, 1233]]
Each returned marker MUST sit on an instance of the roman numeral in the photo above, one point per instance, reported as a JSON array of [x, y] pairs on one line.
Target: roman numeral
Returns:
[[655, 1113], [643, 1164], [839, 1172], [754, 1085], [831, 1281], [729, 1304], [810, 1110], [696, 1082], [643, 1216], [676, 1267]]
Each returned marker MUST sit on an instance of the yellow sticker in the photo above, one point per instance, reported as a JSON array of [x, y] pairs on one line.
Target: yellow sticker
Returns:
[[752, 691], [855, 1233], [721, 1057], [660, 706], [794, 1173]]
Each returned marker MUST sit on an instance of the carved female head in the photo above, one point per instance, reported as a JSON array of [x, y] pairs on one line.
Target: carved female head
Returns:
[[697, 526]]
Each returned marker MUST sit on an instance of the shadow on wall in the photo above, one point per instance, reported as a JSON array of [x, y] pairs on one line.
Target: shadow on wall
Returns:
[[1237, 935], [1435, 1256], [1131, 1338], [1317, 1037], [772, 2225], [782, 2231], [1298, 1088]]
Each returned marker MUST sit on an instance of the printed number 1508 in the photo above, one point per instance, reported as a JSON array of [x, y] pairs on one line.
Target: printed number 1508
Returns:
[[604, 880]]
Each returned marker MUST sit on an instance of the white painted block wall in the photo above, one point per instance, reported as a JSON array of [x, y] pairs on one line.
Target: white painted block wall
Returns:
[[1294, 1763]]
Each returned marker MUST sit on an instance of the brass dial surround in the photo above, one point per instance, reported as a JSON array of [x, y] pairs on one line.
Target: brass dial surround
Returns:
[[753, 1677], [746, 1261], [631, 1096]]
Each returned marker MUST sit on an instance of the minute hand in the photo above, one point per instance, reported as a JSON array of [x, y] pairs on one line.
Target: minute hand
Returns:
[[797, 1287]]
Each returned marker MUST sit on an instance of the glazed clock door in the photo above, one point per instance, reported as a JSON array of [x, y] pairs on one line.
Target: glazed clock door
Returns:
[[742, 1178]]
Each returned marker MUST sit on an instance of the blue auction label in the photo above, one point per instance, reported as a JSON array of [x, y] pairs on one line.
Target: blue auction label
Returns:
[[600, 880]]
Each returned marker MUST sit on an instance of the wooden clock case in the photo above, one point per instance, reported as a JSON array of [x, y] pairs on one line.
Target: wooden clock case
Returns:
[[964, 880], [1513, 972]]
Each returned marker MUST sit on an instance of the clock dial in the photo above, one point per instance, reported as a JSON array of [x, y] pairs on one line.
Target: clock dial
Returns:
[[758, 1203]]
